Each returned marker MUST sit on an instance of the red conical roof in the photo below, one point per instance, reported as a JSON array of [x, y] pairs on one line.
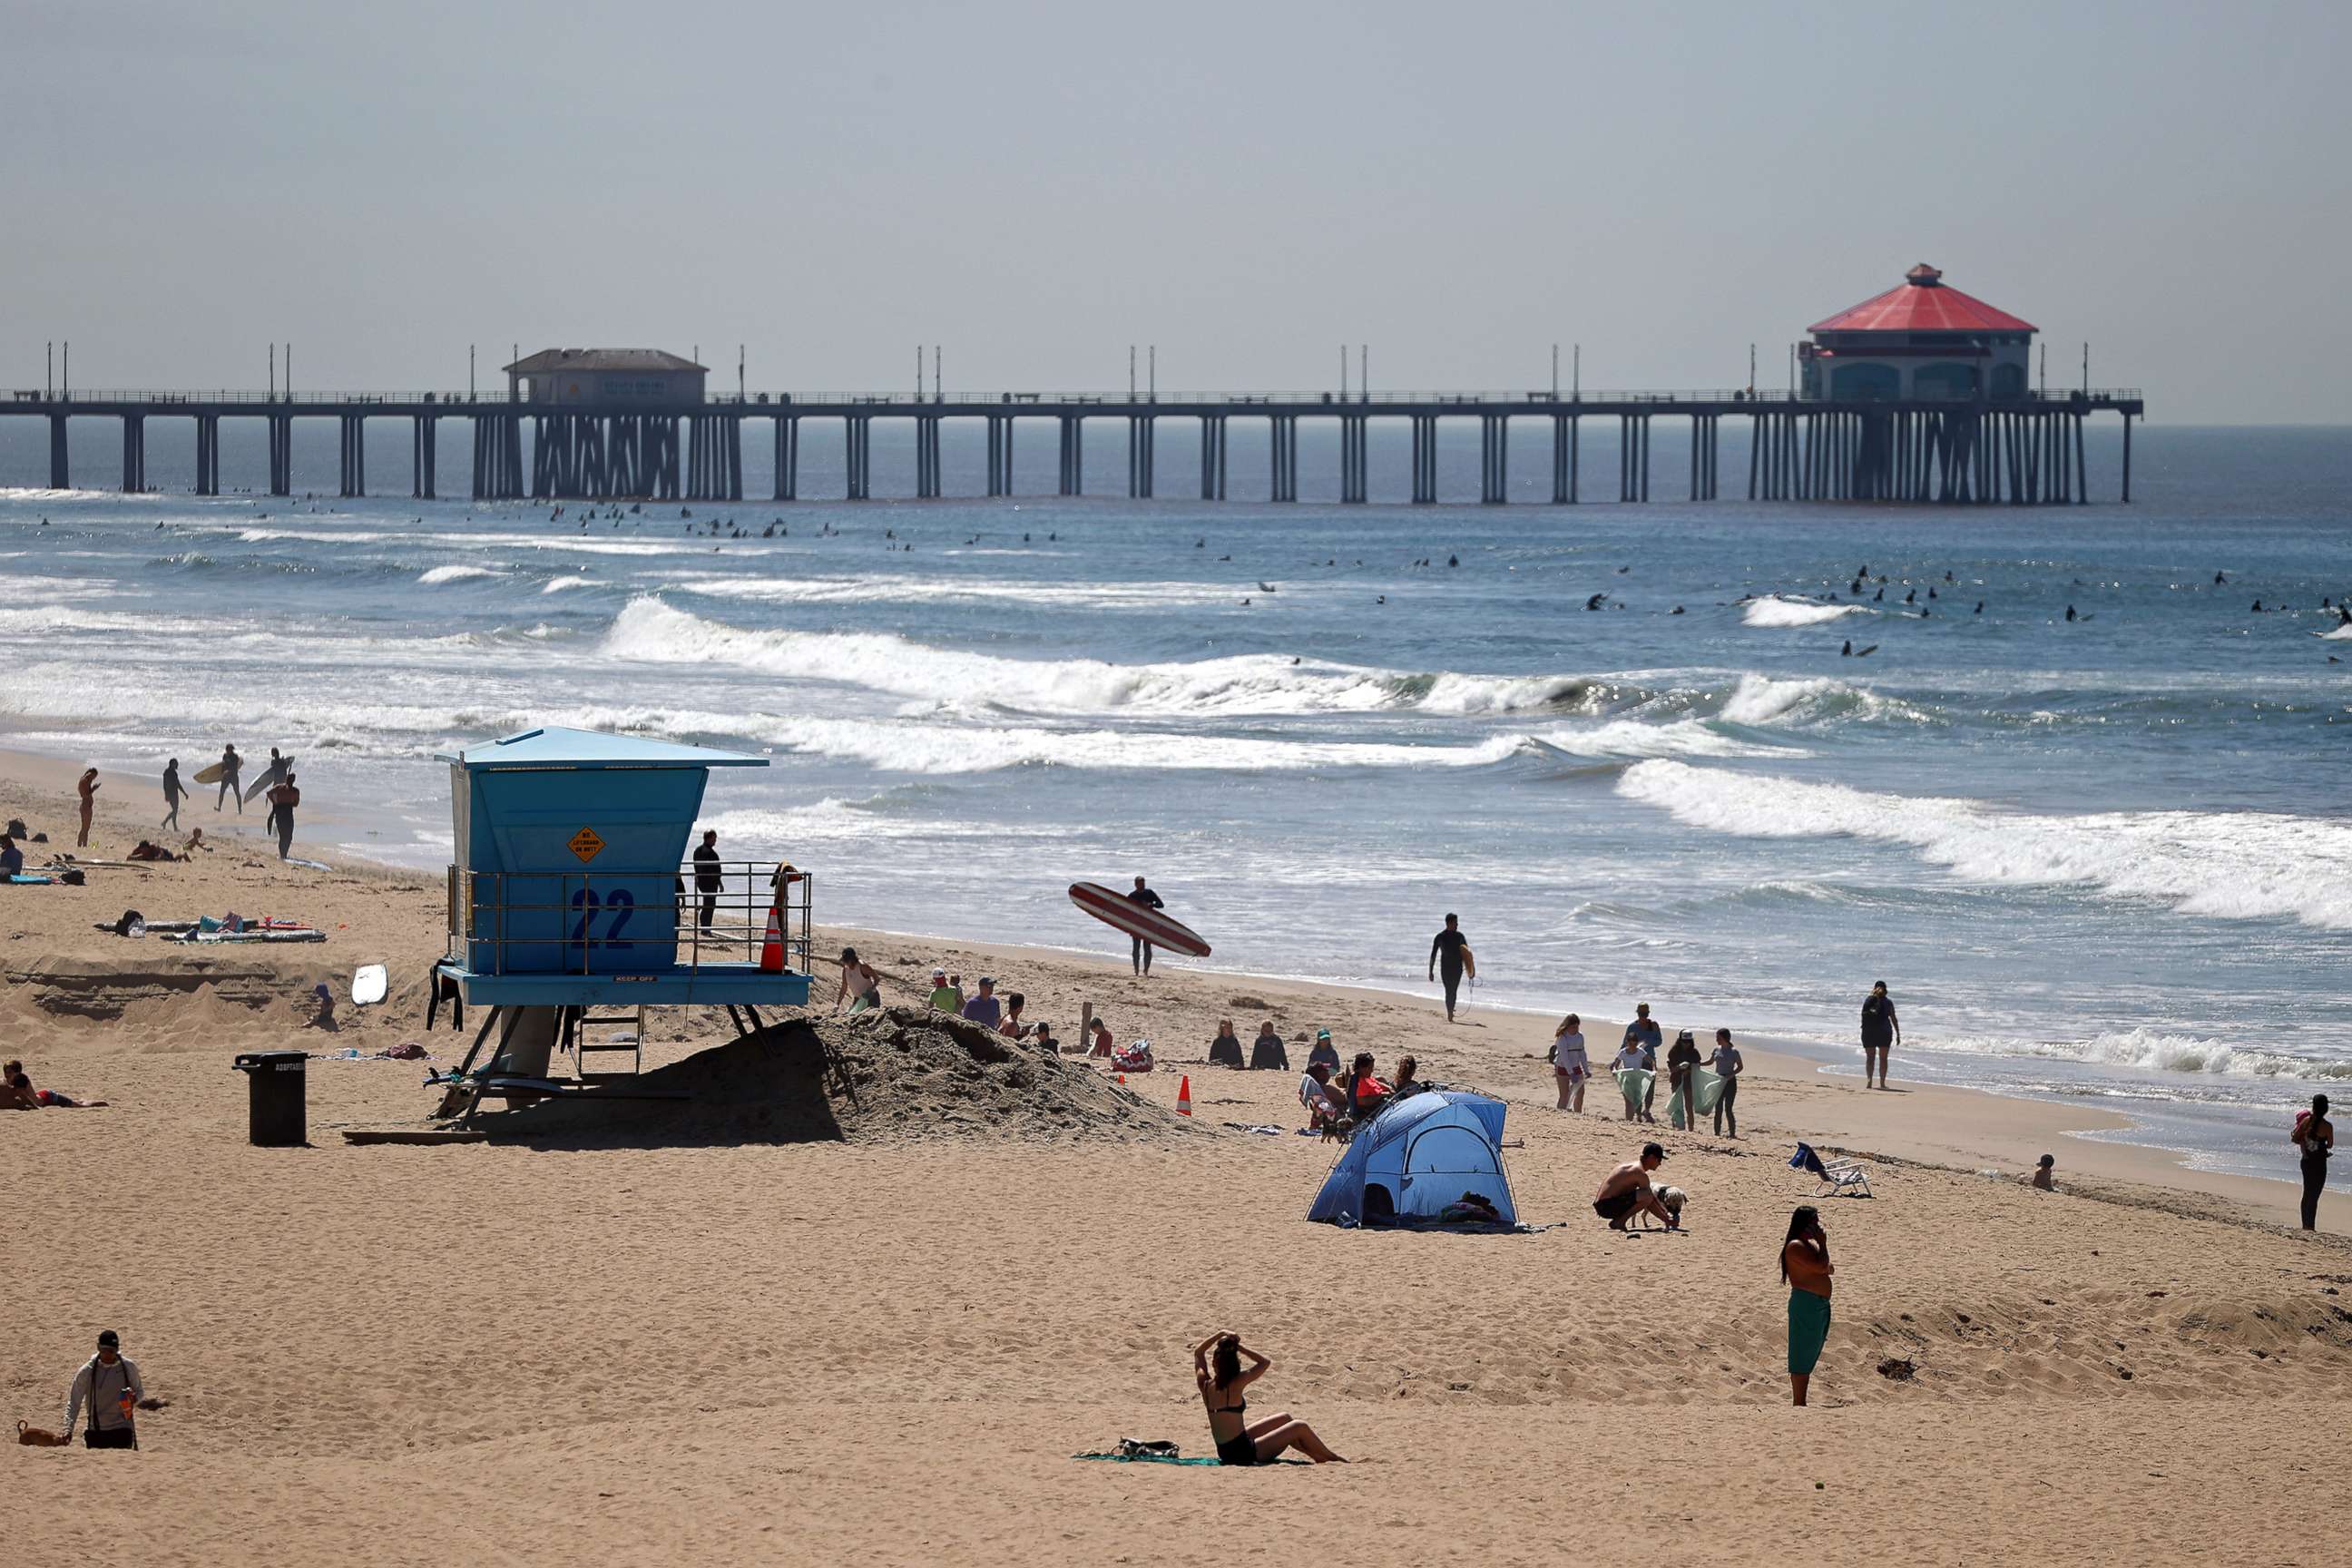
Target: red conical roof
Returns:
[[1922, 303]]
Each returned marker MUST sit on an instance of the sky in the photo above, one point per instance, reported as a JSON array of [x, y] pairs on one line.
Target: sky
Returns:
[[1036, 187]]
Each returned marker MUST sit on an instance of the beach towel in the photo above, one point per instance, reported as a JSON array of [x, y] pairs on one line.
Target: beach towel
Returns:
[[1707, 1088], [1804, 1159], [1139, 1451]]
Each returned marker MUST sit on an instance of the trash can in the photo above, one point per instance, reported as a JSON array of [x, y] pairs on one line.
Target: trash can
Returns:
[[275, 1082]]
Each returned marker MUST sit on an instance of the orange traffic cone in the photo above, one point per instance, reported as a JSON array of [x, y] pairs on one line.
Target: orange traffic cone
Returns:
[[1184, 1096], [772, 951]]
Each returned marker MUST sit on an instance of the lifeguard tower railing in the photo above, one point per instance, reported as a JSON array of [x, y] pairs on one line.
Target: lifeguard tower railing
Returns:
[[589, 938]]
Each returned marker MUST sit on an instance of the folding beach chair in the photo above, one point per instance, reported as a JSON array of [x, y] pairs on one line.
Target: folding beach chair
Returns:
[[1845, 1177]]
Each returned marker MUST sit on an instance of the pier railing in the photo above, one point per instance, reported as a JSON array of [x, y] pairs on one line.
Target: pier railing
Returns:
[[1015, 401]]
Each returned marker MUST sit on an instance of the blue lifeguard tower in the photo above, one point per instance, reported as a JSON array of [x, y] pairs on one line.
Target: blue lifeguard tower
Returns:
[[571, 896]]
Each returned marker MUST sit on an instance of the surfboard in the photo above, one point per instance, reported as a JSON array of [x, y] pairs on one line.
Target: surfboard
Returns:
[[1469, 963], [1136, 920], [368, 984], [211, 775], [269, 775]]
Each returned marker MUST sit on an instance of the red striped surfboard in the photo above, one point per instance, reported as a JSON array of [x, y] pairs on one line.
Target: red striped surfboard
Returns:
[[1135, 919]]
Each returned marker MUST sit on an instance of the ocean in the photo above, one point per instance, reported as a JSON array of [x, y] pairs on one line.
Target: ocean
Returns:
[[2107, 859]]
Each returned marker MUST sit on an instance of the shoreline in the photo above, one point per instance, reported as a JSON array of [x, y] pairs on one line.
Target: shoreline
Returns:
[[1963, 1128]]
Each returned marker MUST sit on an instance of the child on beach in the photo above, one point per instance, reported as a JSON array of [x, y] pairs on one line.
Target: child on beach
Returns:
[[1570, 1068]]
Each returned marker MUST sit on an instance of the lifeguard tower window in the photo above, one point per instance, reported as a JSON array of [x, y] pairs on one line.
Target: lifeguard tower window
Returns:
[[571, 886]]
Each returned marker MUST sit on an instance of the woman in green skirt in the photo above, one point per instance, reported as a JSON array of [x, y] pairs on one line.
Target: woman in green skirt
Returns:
[[1805, 1266]]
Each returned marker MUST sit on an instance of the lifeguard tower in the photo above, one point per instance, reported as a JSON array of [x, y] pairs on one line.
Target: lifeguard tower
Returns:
[[574, 908]]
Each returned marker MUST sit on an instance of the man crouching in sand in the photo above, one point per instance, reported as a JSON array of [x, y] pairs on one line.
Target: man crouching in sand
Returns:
[[1627, 1192]]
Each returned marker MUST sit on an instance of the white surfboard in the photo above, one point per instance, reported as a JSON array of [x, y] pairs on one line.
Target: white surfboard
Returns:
[[269, 775], [369, 983]]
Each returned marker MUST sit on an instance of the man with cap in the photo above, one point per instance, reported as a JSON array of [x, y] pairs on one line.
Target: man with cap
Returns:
[[945, 998], [108, 1382], [984, 1009], [1627, 1192]]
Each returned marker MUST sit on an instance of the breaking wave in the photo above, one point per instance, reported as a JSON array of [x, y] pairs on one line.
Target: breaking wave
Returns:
[[1780, 612], [2219, 865], [440, 574]]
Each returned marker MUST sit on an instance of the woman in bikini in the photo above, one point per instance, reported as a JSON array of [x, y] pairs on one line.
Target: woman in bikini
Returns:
[[1239, 1441]]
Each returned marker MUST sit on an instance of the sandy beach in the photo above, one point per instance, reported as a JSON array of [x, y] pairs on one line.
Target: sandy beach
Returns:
[[886, 1346]]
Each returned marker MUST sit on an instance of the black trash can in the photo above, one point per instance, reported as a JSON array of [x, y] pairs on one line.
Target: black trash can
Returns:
[[275, 1082]]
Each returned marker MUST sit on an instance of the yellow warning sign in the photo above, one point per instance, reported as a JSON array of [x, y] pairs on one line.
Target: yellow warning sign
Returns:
[[586, 844]]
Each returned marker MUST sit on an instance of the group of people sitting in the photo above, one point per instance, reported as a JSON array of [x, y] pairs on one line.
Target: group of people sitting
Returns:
[[1002, 1013], [1337, 1101], [1266, 1051]]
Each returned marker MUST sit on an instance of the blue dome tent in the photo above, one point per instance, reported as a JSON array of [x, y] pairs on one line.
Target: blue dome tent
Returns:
[[1417, 1156]]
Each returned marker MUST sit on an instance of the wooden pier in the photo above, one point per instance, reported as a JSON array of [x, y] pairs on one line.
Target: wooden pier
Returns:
[[2023, 450]]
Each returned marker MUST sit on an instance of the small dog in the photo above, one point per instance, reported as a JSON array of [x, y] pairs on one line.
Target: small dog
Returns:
[[32, 1436], [1672, 1199]]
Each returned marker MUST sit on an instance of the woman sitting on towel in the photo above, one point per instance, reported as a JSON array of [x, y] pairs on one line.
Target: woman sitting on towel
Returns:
[[1222, 1379]]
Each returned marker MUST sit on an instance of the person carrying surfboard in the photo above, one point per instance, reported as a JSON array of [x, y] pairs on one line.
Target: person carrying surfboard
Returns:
[[1140, 949], [1449, 950], [283, 798]]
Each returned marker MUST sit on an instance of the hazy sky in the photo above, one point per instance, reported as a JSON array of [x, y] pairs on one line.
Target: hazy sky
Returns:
[[1247, 186]]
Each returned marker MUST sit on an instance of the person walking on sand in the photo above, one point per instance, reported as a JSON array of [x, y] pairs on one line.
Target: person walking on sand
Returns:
[[171, 793], [1218, 1373], [283, 798], [230, 765], [1570, 1068], [1882, 1031], [88, 790], [1140, 950], [2314, 1135], [109, 1384], [1449, 953], [1805, 1268], [1728, 1065]]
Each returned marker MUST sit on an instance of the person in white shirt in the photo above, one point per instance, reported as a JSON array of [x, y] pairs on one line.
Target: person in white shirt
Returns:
[[1569, 1066], [108, 1382], [1727, 1067], [1629, 1056]]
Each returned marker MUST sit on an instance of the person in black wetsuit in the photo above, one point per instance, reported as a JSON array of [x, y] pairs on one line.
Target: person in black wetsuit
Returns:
[[706, 880], [2314, 1135], [1241, 1441], [1445, 950], [1140, 949]]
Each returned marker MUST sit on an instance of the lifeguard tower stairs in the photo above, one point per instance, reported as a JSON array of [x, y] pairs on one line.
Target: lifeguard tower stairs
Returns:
[[574, 908]]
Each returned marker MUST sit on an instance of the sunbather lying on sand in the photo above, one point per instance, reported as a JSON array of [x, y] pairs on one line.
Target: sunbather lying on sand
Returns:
[[17, 1093]]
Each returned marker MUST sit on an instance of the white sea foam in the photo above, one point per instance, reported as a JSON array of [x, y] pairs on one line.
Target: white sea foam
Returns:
[[1759, 699], [2222, 865], [647, 629], [899, 746], [1780, 612], [914, 590], [1632, 738], [2154, 1051], [2340, 634], [436, 575], [560, 584]]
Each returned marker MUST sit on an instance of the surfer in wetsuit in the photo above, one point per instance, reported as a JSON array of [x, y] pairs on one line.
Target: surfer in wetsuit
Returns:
[[1447, 950], [283, 798], [172, 792], [229, 765], [1140, 949]]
